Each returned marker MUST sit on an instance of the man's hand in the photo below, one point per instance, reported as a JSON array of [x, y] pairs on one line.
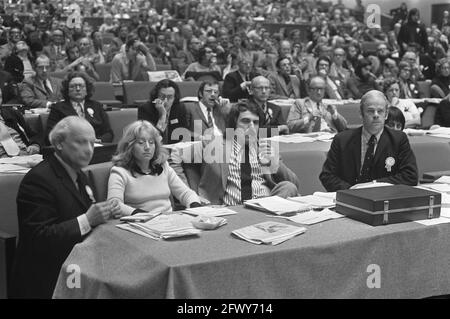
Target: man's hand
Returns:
[[114, 204], [98, 213], [33, 149], [283, 129]]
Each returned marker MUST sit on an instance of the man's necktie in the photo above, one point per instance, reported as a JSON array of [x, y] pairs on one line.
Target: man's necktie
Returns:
[[81, 182], [79, 109], [318, 121], [47, 88], [366, 170], [246, 176], [210, 121]]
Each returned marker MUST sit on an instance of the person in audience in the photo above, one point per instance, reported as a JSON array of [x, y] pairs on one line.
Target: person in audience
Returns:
[[207, 62], [164, 110], [442, 116], [422, 64], [284, 84], [190, 55], [16, 136], [395, 119], [392, 90], [409, 88], [440, 86], [208, 113], [132, 63], [338, 72], [270, 113], [237, 84], [41, 90], [334, 89], [141, 179], [75, 62], [77, 91], [413, 31], [23, 52], [56, 49], [311, 115], [250, 169], [56, 209], [363, 81], [369, 153]]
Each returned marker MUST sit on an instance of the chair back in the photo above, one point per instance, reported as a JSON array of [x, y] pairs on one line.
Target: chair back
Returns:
[[136, 91], [428, 116], [119, 119], [104, 93], [103, 71], [188, 88], [424, 88]]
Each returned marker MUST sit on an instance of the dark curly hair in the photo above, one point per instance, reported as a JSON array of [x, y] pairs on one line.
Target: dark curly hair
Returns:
[[77, 74], [388, 82], [166, 83]]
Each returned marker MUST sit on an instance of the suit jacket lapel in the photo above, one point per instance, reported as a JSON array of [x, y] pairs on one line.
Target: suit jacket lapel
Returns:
[[383, 143], [38, 85], [283, 84], [201, 115], [295, 85], [355, 146], [66, 180]]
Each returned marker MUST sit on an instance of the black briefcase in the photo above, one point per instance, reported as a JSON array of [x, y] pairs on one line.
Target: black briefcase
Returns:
[[388, 204]]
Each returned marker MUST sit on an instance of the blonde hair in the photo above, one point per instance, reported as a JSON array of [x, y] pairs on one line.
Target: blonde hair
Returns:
[[124, 155]]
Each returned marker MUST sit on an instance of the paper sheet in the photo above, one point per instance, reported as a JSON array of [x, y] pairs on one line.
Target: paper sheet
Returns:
[[210, 211], [313, 217], [433, 221]]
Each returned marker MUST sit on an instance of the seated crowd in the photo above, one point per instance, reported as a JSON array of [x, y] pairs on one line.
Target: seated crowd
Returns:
[[56, 205]]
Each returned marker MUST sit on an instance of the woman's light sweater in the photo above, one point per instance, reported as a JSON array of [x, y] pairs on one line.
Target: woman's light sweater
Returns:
[[148, 192]]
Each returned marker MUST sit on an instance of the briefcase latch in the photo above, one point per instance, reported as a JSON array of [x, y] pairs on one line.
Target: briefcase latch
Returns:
[[430, 209], [386, 213]]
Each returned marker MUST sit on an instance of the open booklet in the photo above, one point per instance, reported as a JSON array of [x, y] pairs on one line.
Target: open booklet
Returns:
[[271, 233], [210, 211], [313, 217], [277, 205], [163, 226], [318, 200]]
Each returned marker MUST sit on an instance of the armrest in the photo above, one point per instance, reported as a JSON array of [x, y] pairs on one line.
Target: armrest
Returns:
[[7, 250]]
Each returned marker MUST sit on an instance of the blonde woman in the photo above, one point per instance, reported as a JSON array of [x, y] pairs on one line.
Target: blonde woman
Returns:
[[141, 179]]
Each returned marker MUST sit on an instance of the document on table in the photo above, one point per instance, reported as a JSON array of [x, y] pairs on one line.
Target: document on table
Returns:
[[277, 205], [415, 132], [25, 160], [437, 187], [294, 138], [210, 211], [13, 169], [313, 217], [315, 201], [433, 221], [271, 233], [443, 179]]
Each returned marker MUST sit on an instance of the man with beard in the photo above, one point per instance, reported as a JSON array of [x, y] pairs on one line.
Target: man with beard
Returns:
[[370, 153]]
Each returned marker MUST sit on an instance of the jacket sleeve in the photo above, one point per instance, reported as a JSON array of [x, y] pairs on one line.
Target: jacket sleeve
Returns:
[[54, 117], [116, 71], [285, 174], [29, 98], [295, 121], [231, 88], [407, 167], [329, 175]]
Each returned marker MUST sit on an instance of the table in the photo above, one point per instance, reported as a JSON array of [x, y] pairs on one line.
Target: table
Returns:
[[331, 260]]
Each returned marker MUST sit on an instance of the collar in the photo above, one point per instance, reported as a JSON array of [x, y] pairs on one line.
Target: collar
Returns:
[[72, 173], [204, 108], [73, 103], [366, 135]]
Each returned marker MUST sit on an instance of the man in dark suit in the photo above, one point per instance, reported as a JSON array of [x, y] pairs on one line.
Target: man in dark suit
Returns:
[[270, 113], [77, 90], [237, 84], [370, 153], [56, 209], [41, 90], [208, 113]]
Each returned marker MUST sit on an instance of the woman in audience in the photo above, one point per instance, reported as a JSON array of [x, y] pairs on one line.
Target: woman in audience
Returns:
[[77, 91], [395, 119], [164, 110], [392, 91], [440, 86], [141, 179]]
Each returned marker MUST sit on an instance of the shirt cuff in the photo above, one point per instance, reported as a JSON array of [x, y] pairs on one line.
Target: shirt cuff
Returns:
[[84, 224]]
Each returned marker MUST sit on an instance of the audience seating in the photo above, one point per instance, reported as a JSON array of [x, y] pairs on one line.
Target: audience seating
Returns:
[[119, 119], [188, 88], [428, 116], [136, 92], [99, 175], [60, 74], [103, 71], [424, 88], [104, 93], [163, 67]]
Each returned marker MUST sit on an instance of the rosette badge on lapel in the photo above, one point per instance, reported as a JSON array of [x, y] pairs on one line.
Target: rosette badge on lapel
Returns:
[[91, 112], [90, 194], [390, 161]]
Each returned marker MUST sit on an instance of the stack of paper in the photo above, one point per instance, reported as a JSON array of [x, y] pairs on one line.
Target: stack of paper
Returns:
[[316, 200], [13, 169], [293, 138], [277, 205], [140, 217], [271, 233], [25, 160], [163, 227], [209, 211], [415, 132], [313, 217], [440, 132]]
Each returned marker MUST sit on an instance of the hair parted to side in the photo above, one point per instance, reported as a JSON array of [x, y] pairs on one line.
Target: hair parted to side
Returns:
[[65, 127], [124, 156], [371, 94], [87, 79]]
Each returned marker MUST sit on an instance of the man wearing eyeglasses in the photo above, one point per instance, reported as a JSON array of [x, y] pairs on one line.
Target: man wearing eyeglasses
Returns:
[[312, 115], [41, 90], [370, 153]]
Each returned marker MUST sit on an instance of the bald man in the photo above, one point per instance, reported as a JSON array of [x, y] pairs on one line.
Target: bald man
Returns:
[[369, 153], [56, 209]]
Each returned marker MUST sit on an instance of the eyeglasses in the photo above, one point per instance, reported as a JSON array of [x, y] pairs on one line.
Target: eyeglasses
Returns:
[[317, 88], [262, 88], [211, 91], [163, 97], [77, 85]]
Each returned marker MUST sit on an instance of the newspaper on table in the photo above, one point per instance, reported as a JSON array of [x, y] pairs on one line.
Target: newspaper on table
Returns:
[[164, 226], [156, 76], [269, 233], [210, 211], [277, 205]]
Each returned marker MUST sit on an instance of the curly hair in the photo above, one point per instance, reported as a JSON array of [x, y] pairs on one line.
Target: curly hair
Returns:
[[165, 83], [124, 156], [440, 63], [77, 74], [388, 82]]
